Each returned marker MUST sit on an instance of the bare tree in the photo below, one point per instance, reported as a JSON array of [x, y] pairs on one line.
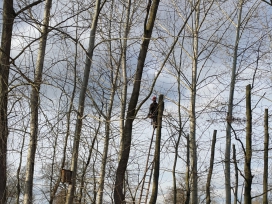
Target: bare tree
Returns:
[[152, 8], [230, 107], [88, 62], [8, 19], [34, 105]]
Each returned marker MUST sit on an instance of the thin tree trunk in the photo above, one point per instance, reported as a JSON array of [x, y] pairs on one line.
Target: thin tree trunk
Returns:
[[193, 147], [88, 62], [187, 174], [175, 163], [18, 185], [155, 183], [230, 109], [266, 144], [84, 170], [69, 111], [8, 19], [208, 184], [236, 175], [114, 78], [131, 112], [34, 107], [248, 153]]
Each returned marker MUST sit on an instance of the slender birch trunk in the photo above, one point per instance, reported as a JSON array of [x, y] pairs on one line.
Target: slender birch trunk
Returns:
[[34, 107], [266, 145], [88, 63], [230, 108], [248, 153], [119, 196]]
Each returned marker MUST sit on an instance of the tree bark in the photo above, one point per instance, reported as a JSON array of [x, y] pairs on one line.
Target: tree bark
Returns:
[[248, 153], [193, 147], [8, 19], [114, 78], [187, 174], [131, 112], [155, 184], [124, 77], [266, 144], [80, 112], [235, 200], [209, 178], [230, 109], [34, 107]]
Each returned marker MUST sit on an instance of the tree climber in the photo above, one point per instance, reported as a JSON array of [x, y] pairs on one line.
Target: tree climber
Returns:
[[153, 111]]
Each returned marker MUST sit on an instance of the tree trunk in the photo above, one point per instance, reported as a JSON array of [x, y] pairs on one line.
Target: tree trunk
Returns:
[[193, 147], [68, 121], [248, 153], [8, 19], [187, 175], [34, 107], [154, 193], [115, 76], [266, 144], [235, 200], [230, 109], [124, 77], [80, 112], [131, 112], [209, 178]]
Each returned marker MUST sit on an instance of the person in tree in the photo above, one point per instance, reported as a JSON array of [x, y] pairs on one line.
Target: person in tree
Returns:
[[153, 111]]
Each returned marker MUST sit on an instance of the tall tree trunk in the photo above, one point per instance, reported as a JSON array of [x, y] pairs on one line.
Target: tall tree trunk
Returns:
[[266, 145], [155, 183], [230, 109], [235, 199], [68, 121], [8, 19], [248, 153], [80, 112], [124, 77], [114, 78], [209, 178], [131, 112], [34, 107], [193, 147]]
